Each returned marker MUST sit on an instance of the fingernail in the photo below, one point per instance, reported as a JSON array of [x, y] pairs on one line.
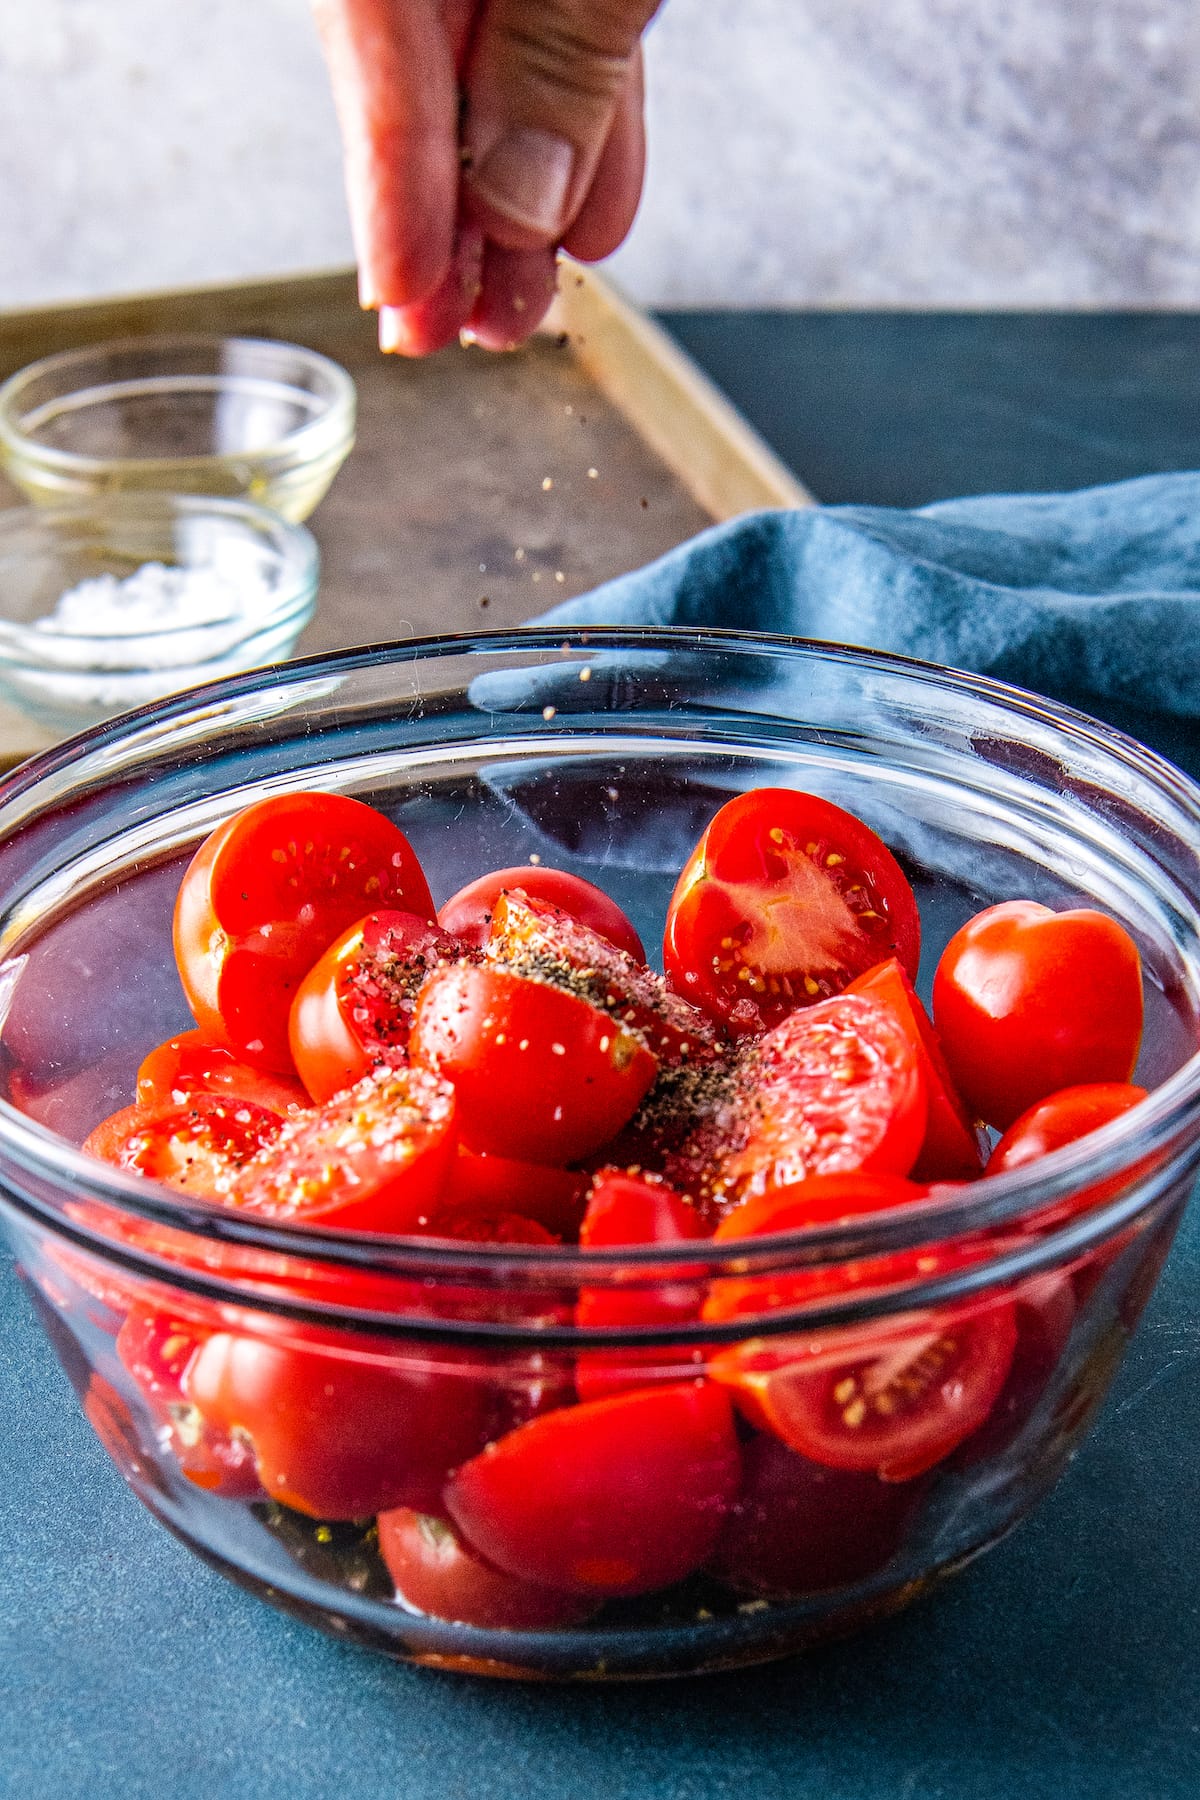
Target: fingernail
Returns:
[[368, 299], [394, 333], [526, 175]]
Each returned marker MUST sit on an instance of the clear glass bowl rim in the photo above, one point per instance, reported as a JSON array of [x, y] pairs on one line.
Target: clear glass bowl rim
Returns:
[[307, 442], [292, 542], [1166, 1124]]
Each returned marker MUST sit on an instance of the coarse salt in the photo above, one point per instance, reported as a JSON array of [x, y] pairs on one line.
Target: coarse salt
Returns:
[[154, 598]]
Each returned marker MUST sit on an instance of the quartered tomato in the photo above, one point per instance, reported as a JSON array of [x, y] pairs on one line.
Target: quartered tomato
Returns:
[[539, 1075], [833, 1089], [950, 1150], [265, 896], [1028, 1001], [530, 936], [435, 1573], [1061, 1119], [200, 1147], [374, 1158], [783, 901], [354, 1008], [617, 1496], [468, 914], [191, 1064]]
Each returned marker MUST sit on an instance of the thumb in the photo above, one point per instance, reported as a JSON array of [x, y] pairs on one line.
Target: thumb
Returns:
[[543, 84]]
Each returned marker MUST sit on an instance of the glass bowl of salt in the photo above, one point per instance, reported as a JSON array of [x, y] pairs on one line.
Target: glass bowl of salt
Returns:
[[110, 604]]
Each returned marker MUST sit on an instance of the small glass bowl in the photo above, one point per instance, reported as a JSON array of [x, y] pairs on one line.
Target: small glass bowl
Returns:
[[70, 669], [374, 1366], [273, 422]]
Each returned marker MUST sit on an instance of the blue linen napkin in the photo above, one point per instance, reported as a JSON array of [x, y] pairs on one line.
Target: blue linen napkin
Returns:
[[1091, 597]]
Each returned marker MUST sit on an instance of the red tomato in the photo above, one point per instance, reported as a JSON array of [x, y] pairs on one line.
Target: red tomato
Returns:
[[343, 1426], [491, 1184], [374, 1158], [435, 1573], [950, 1151], [354, 1008], [1062, 1118], [637, 1209], [1045, 1312], [819, 1200], [1028, 1001], [784, 899], [832, 1089], [539, 1075], [467, 915], [189, 1064], [618, 1496], [537, 939], [265, 896], [799, 1528], [157, 1348], [200, 1147]]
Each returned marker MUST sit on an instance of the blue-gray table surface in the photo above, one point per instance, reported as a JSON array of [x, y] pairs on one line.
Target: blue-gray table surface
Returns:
[[1066, 1663]]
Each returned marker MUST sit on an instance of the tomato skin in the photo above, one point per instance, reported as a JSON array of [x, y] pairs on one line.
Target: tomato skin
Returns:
[[490, 1184], [467, 915], [950, 1150], [199, 1147], [829, 1090], [1045, 1309], [434, 1572], [374, 1158], [190, 1064], [157, 1347], [798, 1527], [264, 897], [342, 1428], [1028, 1001], [1062, 1118], [354, 1008], [819, 1200], [784, 899], [539, 1075], [617, 1496]]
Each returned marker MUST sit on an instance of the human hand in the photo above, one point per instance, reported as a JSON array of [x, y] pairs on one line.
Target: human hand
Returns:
[[480, 135]]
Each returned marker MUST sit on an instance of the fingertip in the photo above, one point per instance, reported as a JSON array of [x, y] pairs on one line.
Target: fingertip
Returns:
[[515, 294]]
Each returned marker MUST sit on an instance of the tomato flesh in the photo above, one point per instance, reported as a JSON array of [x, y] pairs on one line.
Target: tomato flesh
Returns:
[[157, 1347], [200, 1147], [468, 914], [190, 1064], [264, 897], [785, 899], [614, 1497]]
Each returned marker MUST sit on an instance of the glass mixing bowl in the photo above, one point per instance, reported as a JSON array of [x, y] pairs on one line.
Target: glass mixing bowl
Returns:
[[233, 417], [373, 1367]]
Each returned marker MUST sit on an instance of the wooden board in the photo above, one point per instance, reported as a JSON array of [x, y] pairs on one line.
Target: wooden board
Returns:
[[482, 489]]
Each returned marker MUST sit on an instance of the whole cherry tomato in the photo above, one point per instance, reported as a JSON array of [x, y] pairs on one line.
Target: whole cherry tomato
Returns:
[[1027, 1001], [950, 1151], [539, 1075], [829, 1090], [435, 1573], [617, 1496], [354, 1008], [265, 896], [468, 914], [1061, 1119], [199, 1147], [190, 1064], [784, 899]]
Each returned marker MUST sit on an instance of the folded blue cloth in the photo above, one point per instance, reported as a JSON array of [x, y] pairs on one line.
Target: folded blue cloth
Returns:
[[1092, 597]]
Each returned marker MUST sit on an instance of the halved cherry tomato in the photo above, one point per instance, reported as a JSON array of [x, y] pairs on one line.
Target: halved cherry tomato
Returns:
[[637, 1209], [342, 1426], [265, 896], [200, 1147], [468, 914], [1061, 1119], [533, 937], [782, 902], [1045, 1310], [817, 1200], [374, 1158], [435, 1573], [157, 1348], [539, 1075], [190, 1064], [1028, 1001], [950, 1151], [489, 1184], [832, 1089], [617, 1496], [798, 1527], [354, 1008]]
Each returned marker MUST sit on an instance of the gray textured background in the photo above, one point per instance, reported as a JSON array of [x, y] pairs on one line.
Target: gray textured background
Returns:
[[825, 152]]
